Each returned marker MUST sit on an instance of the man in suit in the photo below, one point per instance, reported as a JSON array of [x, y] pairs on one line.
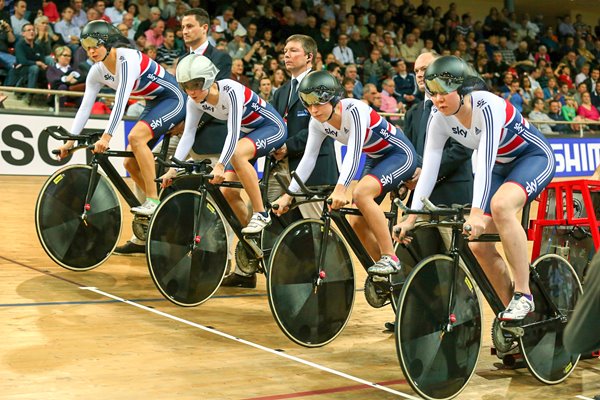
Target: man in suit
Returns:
[[299, 55], [211, 133]]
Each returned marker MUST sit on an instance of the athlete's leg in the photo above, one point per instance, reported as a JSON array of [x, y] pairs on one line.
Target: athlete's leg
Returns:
[[234, 198], [365, 192], [366, 237], [138, 140], [493, 264], [244, 152], [507, 202]]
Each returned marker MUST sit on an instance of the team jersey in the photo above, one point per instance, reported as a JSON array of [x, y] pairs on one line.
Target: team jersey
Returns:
[[244, 112], [362, 130], [135, 74], [498, 132]]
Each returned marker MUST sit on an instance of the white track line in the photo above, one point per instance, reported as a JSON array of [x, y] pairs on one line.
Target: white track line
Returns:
[[251, 344], [583, 397]]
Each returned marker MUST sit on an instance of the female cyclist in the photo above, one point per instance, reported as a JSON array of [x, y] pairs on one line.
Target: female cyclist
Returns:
[[514, 162], [255, 129], [129, 72], [390, 160]]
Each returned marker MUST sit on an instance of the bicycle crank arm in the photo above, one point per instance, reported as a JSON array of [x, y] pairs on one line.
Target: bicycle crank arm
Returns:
[[516, 331], [251, 241]]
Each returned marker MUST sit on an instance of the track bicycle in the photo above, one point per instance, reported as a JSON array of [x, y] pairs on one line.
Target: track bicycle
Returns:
[[311, 281], [78, 215], [187, 245], [439, 317]]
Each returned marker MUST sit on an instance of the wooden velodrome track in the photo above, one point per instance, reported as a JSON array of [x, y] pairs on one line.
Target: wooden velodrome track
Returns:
[[59, 339]]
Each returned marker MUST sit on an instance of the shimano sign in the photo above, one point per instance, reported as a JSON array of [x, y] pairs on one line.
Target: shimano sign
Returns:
[[576, 156]]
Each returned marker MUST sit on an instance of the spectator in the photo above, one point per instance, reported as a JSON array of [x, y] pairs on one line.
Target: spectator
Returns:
[[538, 116], [342, 52], [563, 75], [405, 85], [7, 40], [168, 52], [45, 38], [586, 109], [409, 50], [278, 78], [238, 47], [389, 104], [116, 12], [351, 72], [515, 96], [265, 89], [390, 51], [237, 72], [128, 21], [542, 53], [30, 56], [154, 35], [497, 67], [100, 6], [556, 113], [147, 23], [62, 76], [68, 31], [565, 27], [569, 111], [375, 69], [325, 40], [335, 70], [596, 95], [18, 20], [49, 10], [581, 89], [551, 90], [584, 73], [348, 87], [372, 97], [79, 14], [590, 82]]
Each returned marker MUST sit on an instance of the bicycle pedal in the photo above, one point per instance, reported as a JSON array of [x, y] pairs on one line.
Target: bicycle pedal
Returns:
[[380, 278]]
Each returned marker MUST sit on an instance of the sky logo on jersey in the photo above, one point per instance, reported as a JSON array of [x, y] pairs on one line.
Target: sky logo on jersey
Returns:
[[519, 128], [480, 103], [531, 187], [386, 179], [458, 131], [227, 88], [331, 132], [152, 77], [207, 107], [383, 132], [261, 144], [156, 123], [109, 77]]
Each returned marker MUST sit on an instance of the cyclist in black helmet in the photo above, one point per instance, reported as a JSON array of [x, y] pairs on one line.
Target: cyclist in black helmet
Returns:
[[391, 159], [514, 162], [129, 72]]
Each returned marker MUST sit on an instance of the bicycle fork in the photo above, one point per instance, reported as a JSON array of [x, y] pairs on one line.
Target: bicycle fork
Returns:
[[94, 178]]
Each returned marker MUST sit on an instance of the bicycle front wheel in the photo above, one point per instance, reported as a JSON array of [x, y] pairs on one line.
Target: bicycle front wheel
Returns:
[[73, 241], [310, 312], [438, 337], [187, 262], [542, 342]]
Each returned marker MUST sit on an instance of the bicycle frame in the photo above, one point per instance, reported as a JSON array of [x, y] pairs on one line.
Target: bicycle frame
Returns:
[[459, 249]]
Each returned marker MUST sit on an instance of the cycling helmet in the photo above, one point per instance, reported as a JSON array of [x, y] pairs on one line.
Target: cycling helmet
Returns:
[[319, 87], [96, 33], [196, 72], [450, 73]]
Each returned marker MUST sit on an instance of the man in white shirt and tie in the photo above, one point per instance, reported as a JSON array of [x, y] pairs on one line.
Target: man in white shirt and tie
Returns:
[[342, 52]]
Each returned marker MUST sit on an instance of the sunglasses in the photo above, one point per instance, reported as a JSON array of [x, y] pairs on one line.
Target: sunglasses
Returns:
[[442, 84], [316, 97], [91, 43], [194, 84]]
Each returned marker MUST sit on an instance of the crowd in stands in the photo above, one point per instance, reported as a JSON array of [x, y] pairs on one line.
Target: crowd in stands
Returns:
[[547, 69]]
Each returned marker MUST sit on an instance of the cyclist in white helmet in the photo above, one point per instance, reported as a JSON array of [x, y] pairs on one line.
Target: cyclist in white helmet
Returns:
[[254, 130]]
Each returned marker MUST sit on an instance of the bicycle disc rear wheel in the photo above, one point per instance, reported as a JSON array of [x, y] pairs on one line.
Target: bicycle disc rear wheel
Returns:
[[72, 242], [185, 272], [542, 344], [438, 362], [310, 315]]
